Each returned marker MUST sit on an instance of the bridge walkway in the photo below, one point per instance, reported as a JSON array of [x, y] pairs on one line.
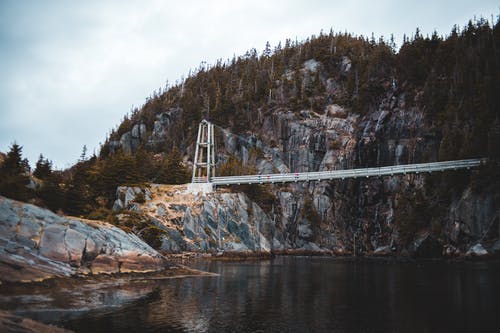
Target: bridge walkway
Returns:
[[343, 174]]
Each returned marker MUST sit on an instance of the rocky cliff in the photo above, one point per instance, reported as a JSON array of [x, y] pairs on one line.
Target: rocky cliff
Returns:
[[221, 221], [335, 102], [409, 214], [224, 221], [36, 244]]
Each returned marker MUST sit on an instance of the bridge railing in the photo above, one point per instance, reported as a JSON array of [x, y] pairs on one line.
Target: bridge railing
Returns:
[[342, 174]]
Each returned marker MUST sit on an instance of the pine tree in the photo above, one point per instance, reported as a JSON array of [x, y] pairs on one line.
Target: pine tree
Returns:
[[51, 193], [267, 51], [43, 168], [83, 156], [77, 190], [14, 175], [173, 171]]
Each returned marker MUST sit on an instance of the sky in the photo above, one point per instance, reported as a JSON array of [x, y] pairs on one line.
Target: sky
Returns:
[[70, 70]]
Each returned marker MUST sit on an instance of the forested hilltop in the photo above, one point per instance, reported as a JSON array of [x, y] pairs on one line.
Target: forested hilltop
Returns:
[[332, 101]]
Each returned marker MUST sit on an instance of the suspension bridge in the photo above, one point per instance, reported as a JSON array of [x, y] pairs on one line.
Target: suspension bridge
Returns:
[[204, 178]]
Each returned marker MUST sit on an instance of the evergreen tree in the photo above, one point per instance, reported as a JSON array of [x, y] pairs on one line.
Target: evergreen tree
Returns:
[[14, 175], [118, 170], [173, 171], [43, 168], [51, 193], [78, 190], [83, 155], [267, 51]]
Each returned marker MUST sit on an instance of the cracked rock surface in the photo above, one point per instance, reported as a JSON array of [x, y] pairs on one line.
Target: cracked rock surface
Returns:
[[36, 244]]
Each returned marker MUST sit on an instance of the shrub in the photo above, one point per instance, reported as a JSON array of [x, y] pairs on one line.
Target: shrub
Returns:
[[140, 198], [153, 235], [103, 214], [310, 213], [335, 144]]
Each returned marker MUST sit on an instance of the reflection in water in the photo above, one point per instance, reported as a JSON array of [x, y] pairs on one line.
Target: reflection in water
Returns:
[[298, 294], [64, 299]]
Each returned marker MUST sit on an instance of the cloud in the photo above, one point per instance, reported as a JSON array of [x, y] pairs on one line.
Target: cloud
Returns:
[[71, 70]]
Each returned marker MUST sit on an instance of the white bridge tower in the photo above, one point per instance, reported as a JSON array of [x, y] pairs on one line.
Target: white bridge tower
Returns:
[[204, 156]]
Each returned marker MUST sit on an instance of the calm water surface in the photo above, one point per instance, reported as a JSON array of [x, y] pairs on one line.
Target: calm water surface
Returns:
[[311, 294]]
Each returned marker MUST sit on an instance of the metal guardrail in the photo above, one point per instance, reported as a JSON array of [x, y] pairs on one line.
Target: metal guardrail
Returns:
[[343, 174]]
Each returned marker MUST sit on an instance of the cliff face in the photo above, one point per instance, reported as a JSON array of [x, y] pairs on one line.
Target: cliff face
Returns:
[[231, 222], [389, 215], [336, 102], [36, 244], [220, 221], [386, 215]]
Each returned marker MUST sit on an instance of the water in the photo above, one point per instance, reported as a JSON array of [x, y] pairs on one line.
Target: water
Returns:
[[303, 294]]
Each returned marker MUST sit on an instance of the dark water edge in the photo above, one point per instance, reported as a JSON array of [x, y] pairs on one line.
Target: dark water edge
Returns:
[[287, 294]]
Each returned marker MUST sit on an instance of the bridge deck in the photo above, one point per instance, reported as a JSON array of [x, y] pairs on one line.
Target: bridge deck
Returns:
[[342, 174]]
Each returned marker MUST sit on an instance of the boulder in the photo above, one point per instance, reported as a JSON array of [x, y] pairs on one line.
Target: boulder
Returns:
[[43, 245], [127, 195], [450, 251], [383, 250], [476, 250], [304, 231], [426, 246]]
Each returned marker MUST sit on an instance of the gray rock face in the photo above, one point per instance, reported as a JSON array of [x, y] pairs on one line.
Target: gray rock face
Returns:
[[369, 212], [362, 211], [369, 209], [36, 244], [471, 211], [129, 141], [312, 65], [162, 127], [163, 124], [126, 197], [346, 65], [212, 222], [224, 223]]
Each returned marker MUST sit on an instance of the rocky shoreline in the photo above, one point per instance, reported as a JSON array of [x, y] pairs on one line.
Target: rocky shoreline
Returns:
[[36, 244], [226, 223], [61, 254]]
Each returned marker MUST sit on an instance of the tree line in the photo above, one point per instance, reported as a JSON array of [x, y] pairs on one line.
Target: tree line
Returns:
[[89, 185], [452, 78]]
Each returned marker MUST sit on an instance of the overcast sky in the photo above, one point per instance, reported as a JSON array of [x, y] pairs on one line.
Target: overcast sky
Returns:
[[70, 70]]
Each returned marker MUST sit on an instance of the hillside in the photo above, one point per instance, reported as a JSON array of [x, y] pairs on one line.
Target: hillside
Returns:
[[333, 101], [452, 81]]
